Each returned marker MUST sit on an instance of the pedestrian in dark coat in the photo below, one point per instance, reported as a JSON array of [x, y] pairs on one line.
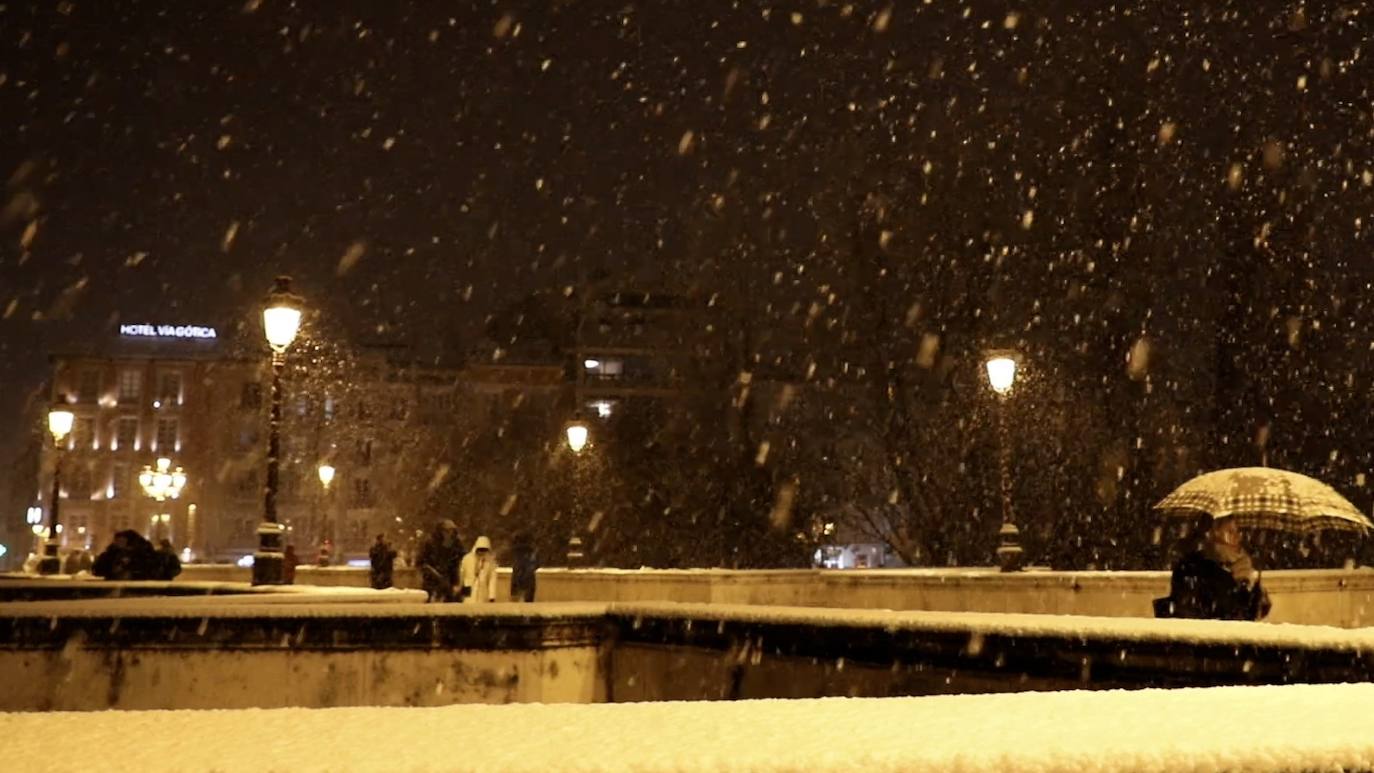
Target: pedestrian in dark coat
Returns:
[[524, 567], [129, 557], [168, 565], [1216, 580], [440, 556], [383, 558]]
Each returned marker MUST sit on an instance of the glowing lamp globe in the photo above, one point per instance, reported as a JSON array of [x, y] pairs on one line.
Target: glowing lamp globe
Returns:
[[577, 436], [1001, 374], [281, 320], [326, 474], [60, 420]]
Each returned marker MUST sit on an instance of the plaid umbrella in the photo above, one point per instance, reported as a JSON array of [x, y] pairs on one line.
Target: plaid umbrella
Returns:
[[1262, 497]]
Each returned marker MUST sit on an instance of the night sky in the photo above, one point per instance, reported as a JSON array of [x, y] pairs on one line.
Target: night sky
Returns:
[[1074, 177]]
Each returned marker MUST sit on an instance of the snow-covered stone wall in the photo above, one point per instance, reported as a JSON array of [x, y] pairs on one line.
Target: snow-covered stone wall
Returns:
[[186, 652], [1342, 598]]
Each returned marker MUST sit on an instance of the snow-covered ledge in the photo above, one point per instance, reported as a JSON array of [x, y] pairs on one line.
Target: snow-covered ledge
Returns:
[[1341, 598], [1240, 729]]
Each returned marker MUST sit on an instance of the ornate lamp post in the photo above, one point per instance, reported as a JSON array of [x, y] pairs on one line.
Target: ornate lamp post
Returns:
[[162, 483], [60, 421], [577, 436], [1001, 369], [281, 320]]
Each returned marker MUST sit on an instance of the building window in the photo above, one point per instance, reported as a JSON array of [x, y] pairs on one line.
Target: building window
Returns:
[[83, 434], [247, 486], [130, 386], [126, 433], [603, 370], [166, 440], [365, 451], [122, 521], [169, 388], [119, 481], [251, 395], [88, 386], [364, 410], [78, 480], [601, 409], [362, 492], [248, 437], [76, 529]]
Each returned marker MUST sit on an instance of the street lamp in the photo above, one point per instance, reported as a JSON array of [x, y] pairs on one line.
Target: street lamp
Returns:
[[162, 483], [60, 421], [281, 320], [577, 436], [325, 532], [1001, 369]]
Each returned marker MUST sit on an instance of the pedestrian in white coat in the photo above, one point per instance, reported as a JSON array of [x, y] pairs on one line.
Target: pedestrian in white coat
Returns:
[[478, 573]]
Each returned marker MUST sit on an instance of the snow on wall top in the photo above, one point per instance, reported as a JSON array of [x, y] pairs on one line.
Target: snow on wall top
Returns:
[[1123, 629]]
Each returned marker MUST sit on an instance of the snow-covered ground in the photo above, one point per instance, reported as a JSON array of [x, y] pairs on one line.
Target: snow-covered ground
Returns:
[[1239, 729]]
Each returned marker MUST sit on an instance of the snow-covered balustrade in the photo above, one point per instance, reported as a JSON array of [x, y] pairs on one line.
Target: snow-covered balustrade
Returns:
[[1342, 598], [1290, 729], [242, 652]]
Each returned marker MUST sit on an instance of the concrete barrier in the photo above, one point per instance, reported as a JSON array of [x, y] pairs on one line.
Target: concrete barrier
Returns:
[[1341, 598], [237, 653]]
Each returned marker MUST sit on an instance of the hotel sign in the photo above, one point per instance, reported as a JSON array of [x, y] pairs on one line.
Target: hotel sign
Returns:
[[167, 331]]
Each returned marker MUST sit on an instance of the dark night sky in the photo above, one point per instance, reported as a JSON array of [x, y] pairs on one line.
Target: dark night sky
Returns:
[[418, 166]]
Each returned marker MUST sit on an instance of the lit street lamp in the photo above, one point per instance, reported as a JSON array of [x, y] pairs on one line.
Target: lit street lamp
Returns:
[[162, 483], [60, 420], [325, 532], [1001, 368], [281, 320], [577, 436]]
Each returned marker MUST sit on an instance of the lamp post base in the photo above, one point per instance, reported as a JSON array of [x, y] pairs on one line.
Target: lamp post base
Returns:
[[1009, 553], [50, 563], [269, 560]]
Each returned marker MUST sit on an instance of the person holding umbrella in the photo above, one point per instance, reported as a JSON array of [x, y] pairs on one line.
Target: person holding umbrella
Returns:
[[1216, 577], [1217, 580]]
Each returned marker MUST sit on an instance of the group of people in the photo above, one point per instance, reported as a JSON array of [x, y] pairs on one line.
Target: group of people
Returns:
[[131, 556], [448, 573]]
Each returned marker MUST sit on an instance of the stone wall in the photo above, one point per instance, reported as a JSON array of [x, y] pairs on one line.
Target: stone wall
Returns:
[[221, 657], [186, 653]]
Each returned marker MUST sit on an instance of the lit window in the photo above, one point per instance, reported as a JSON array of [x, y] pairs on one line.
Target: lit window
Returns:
[[169, 388], [119, 479], [84, 436], [88, 386], [166, 439], [126, 433], [604, 369], [130, 386]]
